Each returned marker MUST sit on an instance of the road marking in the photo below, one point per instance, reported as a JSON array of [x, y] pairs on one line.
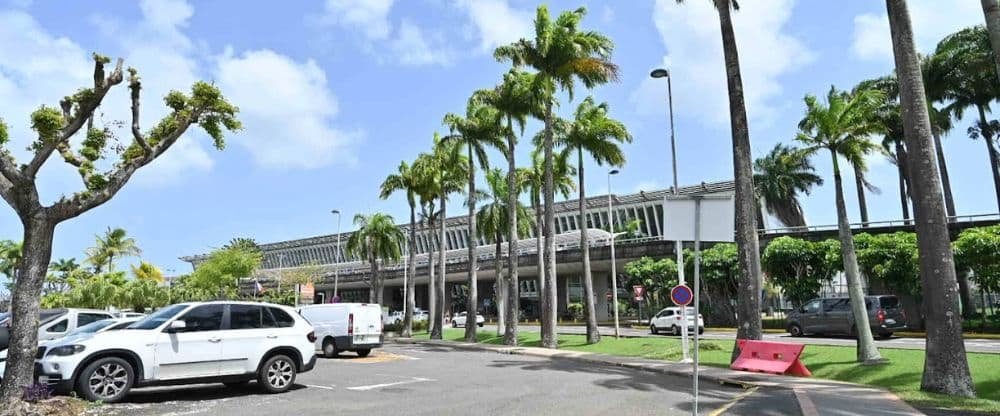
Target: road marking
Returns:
[[320, 387], [805, 403], [733, 402], [378, 386]]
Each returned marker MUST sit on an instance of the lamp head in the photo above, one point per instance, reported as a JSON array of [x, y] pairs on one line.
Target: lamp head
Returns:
[[659, 73]]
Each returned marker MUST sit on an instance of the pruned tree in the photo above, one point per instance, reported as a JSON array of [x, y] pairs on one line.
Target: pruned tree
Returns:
[[204, 106]]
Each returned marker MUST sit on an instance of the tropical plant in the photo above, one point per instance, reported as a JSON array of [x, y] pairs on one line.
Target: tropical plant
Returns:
[[142, 294], [946, 369], [801, 267], [515, 98], [746, 233], [719, 280], [407, 179], [842, 126], [243, 243], [479, 130], [115, 243], [779, 178], [658, 276], [561, 53], [60, 273], [890, 259], [377, 239], [594, 133], [978, 250], [10, 255], [219, 275], [147, 271]]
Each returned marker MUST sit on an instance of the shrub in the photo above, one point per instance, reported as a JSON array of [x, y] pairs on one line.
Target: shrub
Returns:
[[576, 310]]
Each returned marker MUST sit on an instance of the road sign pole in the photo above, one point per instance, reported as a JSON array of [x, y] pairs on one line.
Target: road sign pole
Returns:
[[697, 289]]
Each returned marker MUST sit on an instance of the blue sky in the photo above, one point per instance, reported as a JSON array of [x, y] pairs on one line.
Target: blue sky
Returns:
[[334, 94]]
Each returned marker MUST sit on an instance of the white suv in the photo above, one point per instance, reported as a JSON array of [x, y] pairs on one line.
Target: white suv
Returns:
[[228, 342]]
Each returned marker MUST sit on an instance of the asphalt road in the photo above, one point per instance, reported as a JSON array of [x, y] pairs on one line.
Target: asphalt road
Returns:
[[426, 380], [989, 346]]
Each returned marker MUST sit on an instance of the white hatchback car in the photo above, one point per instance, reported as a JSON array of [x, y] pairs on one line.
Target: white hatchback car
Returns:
[[460, 318], [669, 319], [228, 342]]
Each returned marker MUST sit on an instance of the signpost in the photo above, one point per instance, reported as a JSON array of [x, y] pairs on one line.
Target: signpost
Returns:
[[684, 217], [638, 292]]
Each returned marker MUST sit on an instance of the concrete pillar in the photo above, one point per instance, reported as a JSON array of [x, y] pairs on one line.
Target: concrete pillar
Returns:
[[602, 283]]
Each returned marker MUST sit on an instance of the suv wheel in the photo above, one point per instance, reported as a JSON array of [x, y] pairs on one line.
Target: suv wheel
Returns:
[[277, 374], [653, 330], [107, 380], [674, 329], [330, 348], [364, 352], [795, 330]]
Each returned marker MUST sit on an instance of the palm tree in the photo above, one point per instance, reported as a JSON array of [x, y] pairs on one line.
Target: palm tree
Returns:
[[941, 122], [58, 281], [991, 10], [779, 178], [376, 239], [591, 131], [748, 298], [114, 244], [243, 243], [492, 223], [147, 271], [946, 369], [842, 126], [10, 255], [515, 99], [561, 54], [428, 196], [406, 179], [480, 129], [887, 116], [963, 61]]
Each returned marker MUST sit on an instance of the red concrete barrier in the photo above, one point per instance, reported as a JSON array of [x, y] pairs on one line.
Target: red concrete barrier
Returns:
[[770, 357]]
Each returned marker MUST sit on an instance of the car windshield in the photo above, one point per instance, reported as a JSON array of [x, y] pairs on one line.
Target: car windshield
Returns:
[[158, 318], [92, 327]]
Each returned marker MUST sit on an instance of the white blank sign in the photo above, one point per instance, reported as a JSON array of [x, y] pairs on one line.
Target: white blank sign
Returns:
[[718, 222]]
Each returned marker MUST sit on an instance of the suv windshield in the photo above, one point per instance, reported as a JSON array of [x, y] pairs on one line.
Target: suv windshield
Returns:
[[158, 318]]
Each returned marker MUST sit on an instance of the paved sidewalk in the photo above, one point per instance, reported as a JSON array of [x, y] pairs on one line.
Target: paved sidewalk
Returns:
[[815, 397]]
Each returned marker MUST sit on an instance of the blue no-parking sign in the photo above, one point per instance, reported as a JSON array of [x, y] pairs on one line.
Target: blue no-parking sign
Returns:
[[681, 295]]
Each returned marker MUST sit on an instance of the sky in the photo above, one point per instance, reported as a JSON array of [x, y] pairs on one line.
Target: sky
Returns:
[[334, 94]]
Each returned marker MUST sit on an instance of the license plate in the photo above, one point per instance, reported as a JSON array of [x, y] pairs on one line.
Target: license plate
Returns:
[[890, 321]]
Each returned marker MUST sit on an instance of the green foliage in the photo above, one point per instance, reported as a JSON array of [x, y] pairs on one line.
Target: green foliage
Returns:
[[800, 267], [114, 244], [47, 122], [657, 275], [492, 216], [142, 294], [147, 271], [892, 259], [244, 243], [719, 265], [10, 254], [576, 310], [779, 177], [4, 135], [377, 237], [978, 250], [218, 275], [280, 297], [842, 125]]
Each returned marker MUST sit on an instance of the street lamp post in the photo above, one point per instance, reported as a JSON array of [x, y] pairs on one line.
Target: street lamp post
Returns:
[[614, 273], [678, 246], [336, 256]]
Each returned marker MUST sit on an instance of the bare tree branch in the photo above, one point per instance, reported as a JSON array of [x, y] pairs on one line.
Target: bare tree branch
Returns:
[[134, 85], [8, 170], [7, 190], [84, 112]]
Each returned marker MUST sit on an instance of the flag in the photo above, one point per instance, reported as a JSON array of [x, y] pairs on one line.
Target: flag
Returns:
[[258, 287]]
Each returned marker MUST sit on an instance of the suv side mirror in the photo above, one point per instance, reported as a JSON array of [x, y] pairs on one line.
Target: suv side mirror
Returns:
[[176, 326]]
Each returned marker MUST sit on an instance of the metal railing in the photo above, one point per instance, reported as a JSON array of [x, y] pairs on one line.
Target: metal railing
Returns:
[[878, 224]]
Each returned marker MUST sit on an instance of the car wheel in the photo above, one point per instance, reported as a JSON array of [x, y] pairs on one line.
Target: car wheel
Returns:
[[701, 330], [454, 324], [364, 352], [653, 330], [675, 330], [277, 374], [480, 325], [330, 348], [107, 380], [795, 330]]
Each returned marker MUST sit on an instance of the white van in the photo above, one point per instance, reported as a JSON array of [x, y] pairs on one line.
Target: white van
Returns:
[[345, 327]]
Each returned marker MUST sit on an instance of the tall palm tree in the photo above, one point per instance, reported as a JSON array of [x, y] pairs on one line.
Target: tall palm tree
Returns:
[[887, 116], [991, 10], [562, 54], [750, 282], [941, 122], [592, 132], [492, 220], [479, 130], [946, 369], [563, 173], [407, 180], [842, 126], [376, 239], [965, 64], [423, 168], [515, 98], [779, 178], [114, 244]]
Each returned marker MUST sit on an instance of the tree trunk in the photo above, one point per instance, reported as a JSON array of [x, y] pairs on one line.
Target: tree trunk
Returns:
[[949, 199], [472, 305], [867, 353], [991, 10], [443, 271], [434, 312], [411, 266], [593, 333], [500, 287], [859, 182], [25, 303], [946, 369], [540, 261], [991, 150], [549, 312], [513, 285], [746, 233], [904, 193]]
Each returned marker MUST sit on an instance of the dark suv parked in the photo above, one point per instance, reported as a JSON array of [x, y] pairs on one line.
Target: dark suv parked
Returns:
[[833, 316]]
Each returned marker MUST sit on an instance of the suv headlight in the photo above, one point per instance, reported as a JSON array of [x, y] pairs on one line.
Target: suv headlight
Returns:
[[66, 350]]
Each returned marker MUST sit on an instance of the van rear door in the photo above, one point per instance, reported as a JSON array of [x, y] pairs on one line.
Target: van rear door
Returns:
[[367, 322]]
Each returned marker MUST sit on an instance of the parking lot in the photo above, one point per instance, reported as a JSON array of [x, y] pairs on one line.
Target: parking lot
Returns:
[[425, 380]]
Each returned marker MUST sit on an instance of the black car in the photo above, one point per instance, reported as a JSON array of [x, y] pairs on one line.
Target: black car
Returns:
[[834, 316]]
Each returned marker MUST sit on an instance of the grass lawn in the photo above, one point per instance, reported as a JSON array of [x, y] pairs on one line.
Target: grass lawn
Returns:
[[902, 374]]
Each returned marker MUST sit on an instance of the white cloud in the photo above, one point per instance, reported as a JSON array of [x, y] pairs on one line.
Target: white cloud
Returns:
[[932, 20], [646, 186], [286, 108], [690, 33], [412, 47], [370, 17], [496, 22]]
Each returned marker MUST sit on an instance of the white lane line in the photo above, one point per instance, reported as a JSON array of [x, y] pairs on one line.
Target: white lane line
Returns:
[[320, 387], [378, 386]]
